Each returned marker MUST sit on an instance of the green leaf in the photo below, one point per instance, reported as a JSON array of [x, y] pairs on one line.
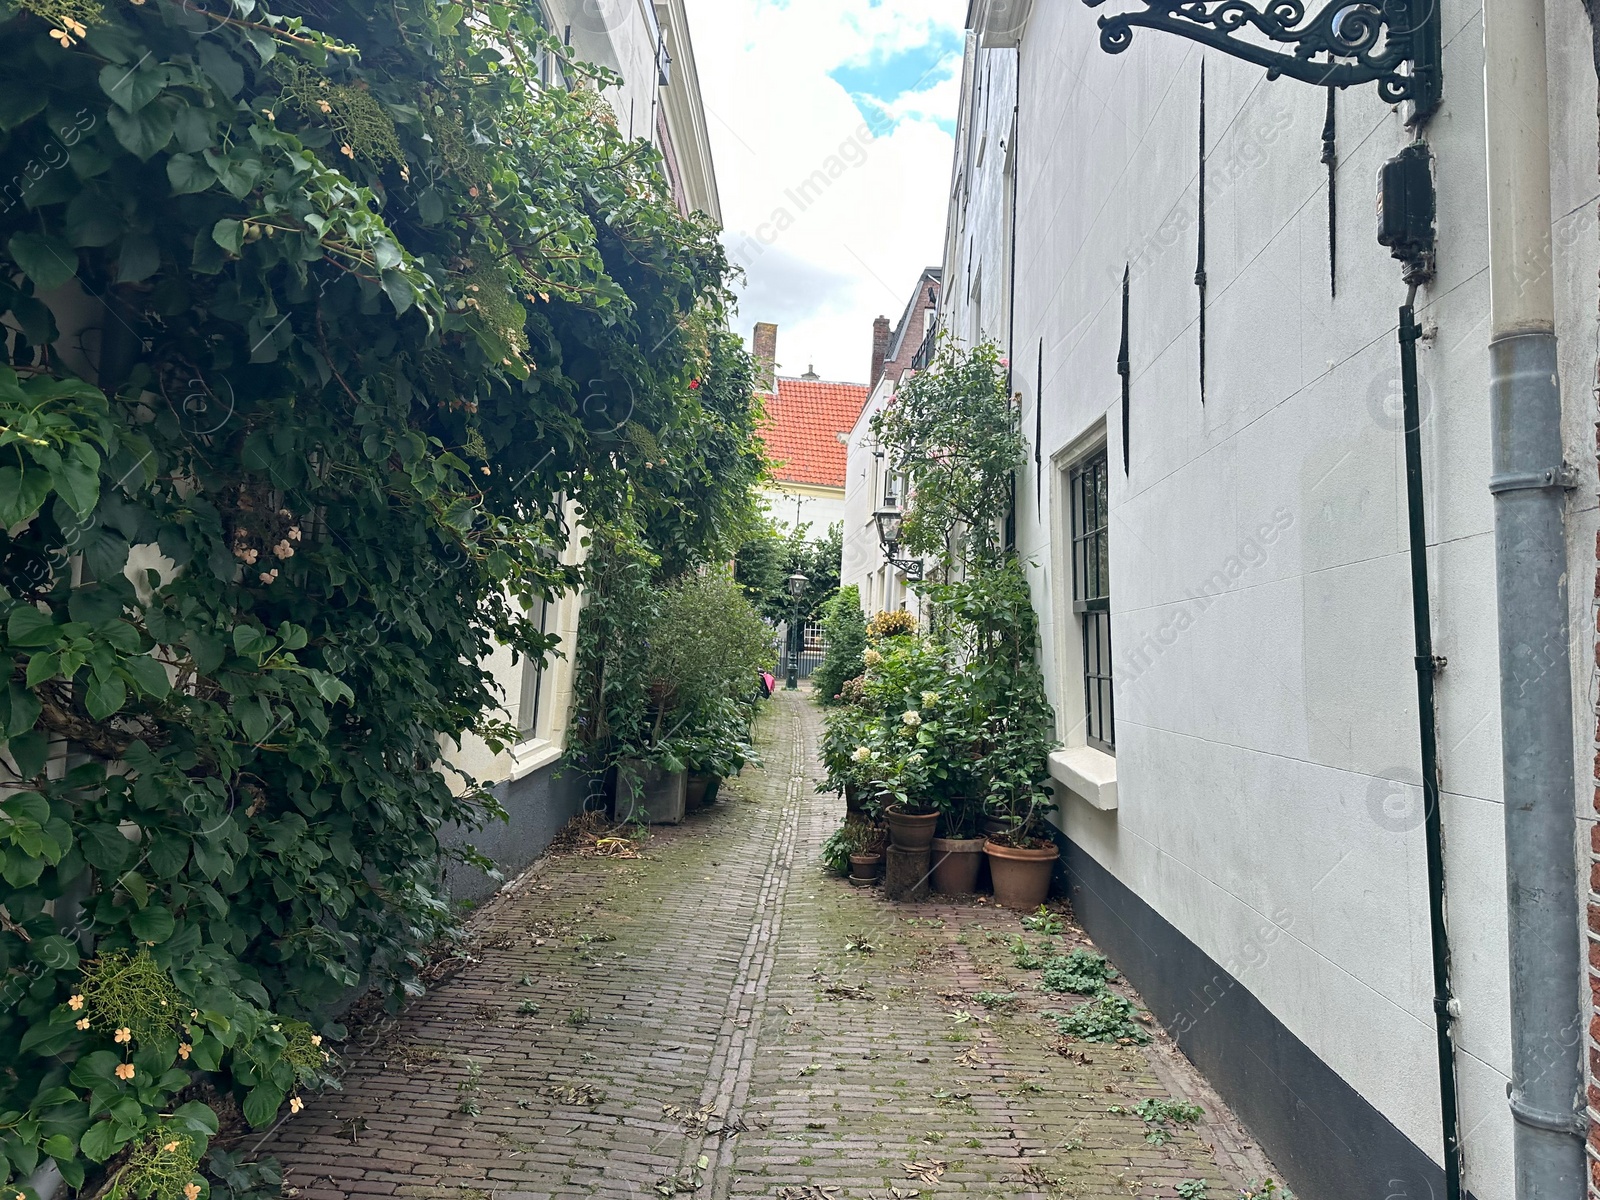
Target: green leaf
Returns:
[[29, 751], [154, 924], [225, 70], [228, 234], [46, 260], [100, 1141], [262, 1104], [188, 174], [198, 1116], [430, 207], [19, 101], [23, 711], [28, 627], [399, 290], [149, 676], [22, 494], [144, 133], [78, 479], [105, 696], [104, 846], [54, 953], [59, 1145], [130, 88], [138, 259]]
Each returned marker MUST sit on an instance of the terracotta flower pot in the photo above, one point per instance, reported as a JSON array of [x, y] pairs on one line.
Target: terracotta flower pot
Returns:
[[864, 868], [1021, 877], [911, 831], [955, 865]]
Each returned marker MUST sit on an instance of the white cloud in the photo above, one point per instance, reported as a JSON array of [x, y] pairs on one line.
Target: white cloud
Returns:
[[832, 223]]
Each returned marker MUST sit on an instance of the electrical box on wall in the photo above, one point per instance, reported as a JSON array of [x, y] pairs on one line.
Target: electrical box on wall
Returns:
[[1406, 209]]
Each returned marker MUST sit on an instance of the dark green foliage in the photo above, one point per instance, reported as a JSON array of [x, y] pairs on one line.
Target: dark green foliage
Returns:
[[845, 628], [1107, 1018], [334, 319], [1082, 971], [767, 559]]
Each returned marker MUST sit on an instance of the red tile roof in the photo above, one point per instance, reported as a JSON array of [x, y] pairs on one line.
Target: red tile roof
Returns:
[[803, 423]]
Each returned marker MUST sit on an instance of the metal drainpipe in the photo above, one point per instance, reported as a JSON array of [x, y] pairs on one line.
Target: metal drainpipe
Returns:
[[1536, 716], [1445, 1008]]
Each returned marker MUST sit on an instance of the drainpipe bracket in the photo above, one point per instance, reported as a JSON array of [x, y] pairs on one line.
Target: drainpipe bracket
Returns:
[[1540, 1118], [1564, 477]]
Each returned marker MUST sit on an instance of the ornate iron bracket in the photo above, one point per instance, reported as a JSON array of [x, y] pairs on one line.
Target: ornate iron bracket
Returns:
[[1346, 43]]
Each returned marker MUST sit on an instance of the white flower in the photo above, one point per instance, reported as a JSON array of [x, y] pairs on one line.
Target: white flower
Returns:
[[872, 658], [929, 699], [861, 754], [914, 757], [911, 717]]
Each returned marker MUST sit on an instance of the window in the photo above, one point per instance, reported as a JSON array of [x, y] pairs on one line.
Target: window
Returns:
[[891, 489], [532, 686], [1091, 596]]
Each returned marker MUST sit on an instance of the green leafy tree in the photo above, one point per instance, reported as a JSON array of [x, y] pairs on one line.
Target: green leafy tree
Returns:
[[845, 628], [316, 326], [953, 432]]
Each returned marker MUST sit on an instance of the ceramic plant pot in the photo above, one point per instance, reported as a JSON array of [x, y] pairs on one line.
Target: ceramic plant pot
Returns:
[[865, 868], [911, 831], [1021, 877], [955, 865]]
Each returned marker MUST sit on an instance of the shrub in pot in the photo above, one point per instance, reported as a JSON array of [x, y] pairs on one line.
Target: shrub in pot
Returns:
[[856, 838]]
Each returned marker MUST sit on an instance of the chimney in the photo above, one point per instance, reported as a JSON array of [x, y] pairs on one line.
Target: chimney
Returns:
[[764, 349], [880, 349]]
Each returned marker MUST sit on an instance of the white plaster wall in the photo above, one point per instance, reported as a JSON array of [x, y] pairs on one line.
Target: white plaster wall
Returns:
[[621, 35], [882, 586], [818, 512], [1267, 739]]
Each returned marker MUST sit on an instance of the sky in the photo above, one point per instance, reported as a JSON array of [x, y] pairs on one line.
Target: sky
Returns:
[[831, 131]]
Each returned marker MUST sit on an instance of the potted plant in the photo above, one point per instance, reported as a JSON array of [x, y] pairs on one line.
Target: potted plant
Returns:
[[855, 847]]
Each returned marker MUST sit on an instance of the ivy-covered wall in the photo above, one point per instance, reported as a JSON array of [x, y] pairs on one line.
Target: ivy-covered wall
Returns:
[[312, 315]]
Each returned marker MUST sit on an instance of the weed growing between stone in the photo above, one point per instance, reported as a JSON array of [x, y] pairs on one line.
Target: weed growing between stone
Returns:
[[1110, 1019], [1163, 1115]]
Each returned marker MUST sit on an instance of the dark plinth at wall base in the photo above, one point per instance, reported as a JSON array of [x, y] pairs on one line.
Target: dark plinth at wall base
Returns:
[[1329, 1143]]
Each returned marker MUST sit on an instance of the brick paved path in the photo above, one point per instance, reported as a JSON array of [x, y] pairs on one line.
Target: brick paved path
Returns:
[[722, 1019]]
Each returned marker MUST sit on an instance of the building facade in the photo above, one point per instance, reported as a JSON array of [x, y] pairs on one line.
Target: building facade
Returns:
[[808, 420], [1177, 255], [871, 485], [659, 97]]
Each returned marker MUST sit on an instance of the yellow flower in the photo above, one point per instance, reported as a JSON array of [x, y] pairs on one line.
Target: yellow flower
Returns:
[[83, 1022], [75, 1003], [316, 1039], [124, 1035], [169, 1147], [347, 151], [872, 658], [61, 36], [191, 1191], [184, 1050], [296, 1104], [124, 1071], [324, 106]]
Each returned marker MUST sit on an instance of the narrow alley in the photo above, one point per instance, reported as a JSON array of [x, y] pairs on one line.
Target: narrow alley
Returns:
[[720, 1019]]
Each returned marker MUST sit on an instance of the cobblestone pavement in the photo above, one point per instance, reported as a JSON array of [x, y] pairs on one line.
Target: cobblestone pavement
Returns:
[[721, 1019]]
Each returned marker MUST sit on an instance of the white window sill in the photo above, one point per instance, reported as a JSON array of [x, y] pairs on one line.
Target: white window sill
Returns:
[[1088, 773], [528, 757]]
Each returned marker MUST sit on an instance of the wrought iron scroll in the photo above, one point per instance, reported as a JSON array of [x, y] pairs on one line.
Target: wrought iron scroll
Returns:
[[1345, 43]]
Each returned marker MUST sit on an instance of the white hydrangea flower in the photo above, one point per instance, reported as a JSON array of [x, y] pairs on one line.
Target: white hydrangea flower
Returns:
[[911, 717], [872, 658], [929, 699], [861, 754]]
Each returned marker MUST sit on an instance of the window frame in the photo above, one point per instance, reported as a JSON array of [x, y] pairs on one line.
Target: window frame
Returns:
[[1088, 529]]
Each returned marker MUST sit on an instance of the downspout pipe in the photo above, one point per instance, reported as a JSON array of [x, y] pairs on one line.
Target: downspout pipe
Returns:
[[1529, 484]]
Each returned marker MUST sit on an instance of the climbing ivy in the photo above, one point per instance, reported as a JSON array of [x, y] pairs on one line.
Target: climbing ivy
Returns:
[[319, 321]]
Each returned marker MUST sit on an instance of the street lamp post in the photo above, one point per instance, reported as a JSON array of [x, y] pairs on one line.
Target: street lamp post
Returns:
[[797, 587]]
